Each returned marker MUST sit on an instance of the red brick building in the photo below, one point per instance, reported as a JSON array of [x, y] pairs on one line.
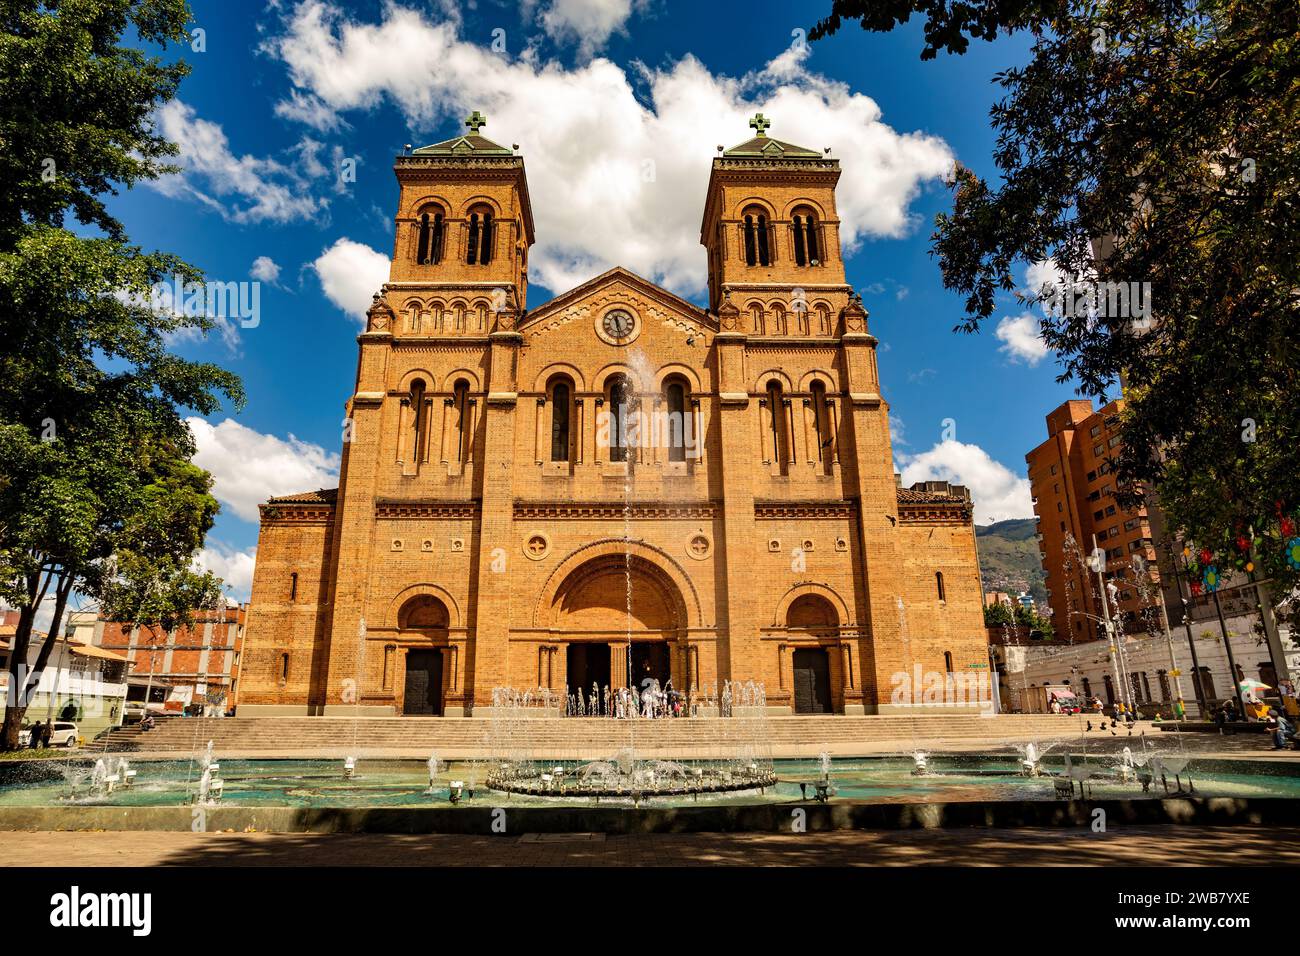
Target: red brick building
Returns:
[[191, 666], [1073, 492], [615, 485]]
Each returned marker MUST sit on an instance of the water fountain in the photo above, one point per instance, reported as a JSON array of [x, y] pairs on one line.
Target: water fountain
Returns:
[[1029, 760], [349, 767], [920, 763], [433, 771], [211, 786], [744, 762]]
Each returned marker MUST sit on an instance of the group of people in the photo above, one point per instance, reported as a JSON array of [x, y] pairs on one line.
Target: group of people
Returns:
[[39, 735], [1279, 729]]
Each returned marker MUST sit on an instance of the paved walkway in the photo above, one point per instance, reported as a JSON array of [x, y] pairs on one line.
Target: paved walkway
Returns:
[[1158, 846]]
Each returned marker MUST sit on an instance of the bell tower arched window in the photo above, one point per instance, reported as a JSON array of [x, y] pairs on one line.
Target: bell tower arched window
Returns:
[[432, 229], [757, 240], [807, 247], [478, 249]]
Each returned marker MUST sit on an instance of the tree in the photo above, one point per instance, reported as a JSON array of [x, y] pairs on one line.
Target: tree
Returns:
[[90, 397], [1017, 615], [1148, 152]]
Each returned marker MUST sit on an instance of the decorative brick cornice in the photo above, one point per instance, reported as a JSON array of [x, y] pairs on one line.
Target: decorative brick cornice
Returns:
[[935, 512], [772, 510], [615, 510], [290, 513], [426, 508]]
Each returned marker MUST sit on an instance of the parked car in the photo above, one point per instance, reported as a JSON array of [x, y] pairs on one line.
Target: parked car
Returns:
[[65, 734]]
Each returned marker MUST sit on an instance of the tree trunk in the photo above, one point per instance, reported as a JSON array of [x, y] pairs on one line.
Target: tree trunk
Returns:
[[16, 704], [61, 592]]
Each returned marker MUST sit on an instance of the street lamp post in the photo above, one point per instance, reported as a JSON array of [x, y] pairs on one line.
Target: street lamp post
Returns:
[[1197, 687], [1232, 662]]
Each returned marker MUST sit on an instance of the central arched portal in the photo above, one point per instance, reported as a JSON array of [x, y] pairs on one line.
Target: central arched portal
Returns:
[[621, 617]]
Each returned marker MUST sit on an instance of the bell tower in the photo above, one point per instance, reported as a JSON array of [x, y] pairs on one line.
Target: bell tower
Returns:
[[770, 223], [464, 221]]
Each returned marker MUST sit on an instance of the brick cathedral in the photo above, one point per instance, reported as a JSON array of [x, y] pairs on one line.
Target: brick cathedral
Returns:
[[617, 484]]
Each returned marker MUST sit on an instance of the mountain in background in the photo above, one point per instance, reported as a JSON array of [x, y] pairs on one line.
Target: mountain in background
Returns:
[[1009, 558]]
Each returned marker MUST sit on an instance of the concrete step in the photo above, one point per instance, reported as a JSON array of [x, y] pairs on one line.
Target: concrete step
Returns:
[[700, 733]]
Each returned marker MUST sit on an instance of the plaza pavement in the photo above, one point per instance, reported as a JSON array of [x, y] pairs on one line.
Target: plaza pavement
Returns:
[[1119, 846]]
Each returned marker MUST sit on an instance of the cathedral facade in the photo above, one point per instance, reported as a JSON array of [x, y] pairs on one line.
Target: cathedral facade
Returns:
[[618, 484]]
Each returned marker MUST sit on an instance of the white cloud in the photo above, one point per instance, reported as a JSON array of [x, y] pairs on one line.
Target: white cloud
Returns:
[[248, 467], [615, 178], [234, 567], [588, 22], [1021, 339], [351, 273], [240, 188], [997, 492], [1045, 272], [264, 269]]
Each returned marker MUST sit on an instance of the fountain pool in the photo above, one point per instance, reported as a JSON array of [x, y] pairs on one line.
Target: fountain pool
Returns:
[[408, 783]]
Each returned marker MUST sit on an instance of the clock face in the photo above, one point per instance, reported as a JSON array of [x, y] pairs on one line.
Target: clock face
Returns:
[[618, 324]]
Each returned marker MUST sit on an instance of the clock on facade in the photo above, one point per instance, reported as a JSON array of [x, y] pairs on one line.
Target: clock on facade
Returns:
[[619, 324]]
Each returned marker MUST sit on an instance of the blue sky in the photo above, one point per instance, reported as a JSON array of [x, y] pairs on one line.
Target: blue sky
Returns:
[[282, 99]]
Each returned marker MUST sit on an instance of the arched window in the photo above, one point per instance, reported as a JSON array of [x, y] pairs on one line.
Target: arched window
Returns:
[[779, 424], [561, 410], [757, 239], [807, 251], [823, 320], [618, 395], [675, 403], [419, 422], [947, 661], [938, 585], [758, 325], [479, 248], [822, 428], [460, 400], [284, 667], [432, 229], [293, 586]]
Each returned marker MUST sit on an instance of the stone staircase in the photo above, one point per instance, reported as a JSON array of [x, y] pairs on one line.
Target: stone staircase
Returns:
[[581, 737]]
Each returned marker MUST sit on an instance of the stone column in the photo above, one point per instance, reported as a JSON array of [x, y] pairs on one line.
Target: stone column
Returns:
[[541, 421], [618, 659], [579, 406]]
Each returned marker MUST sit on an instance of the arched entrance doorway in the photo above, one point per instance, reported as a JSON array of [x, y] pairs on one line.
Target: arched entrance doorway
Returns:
[[620, 616], [423, 622], [812, 623]]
